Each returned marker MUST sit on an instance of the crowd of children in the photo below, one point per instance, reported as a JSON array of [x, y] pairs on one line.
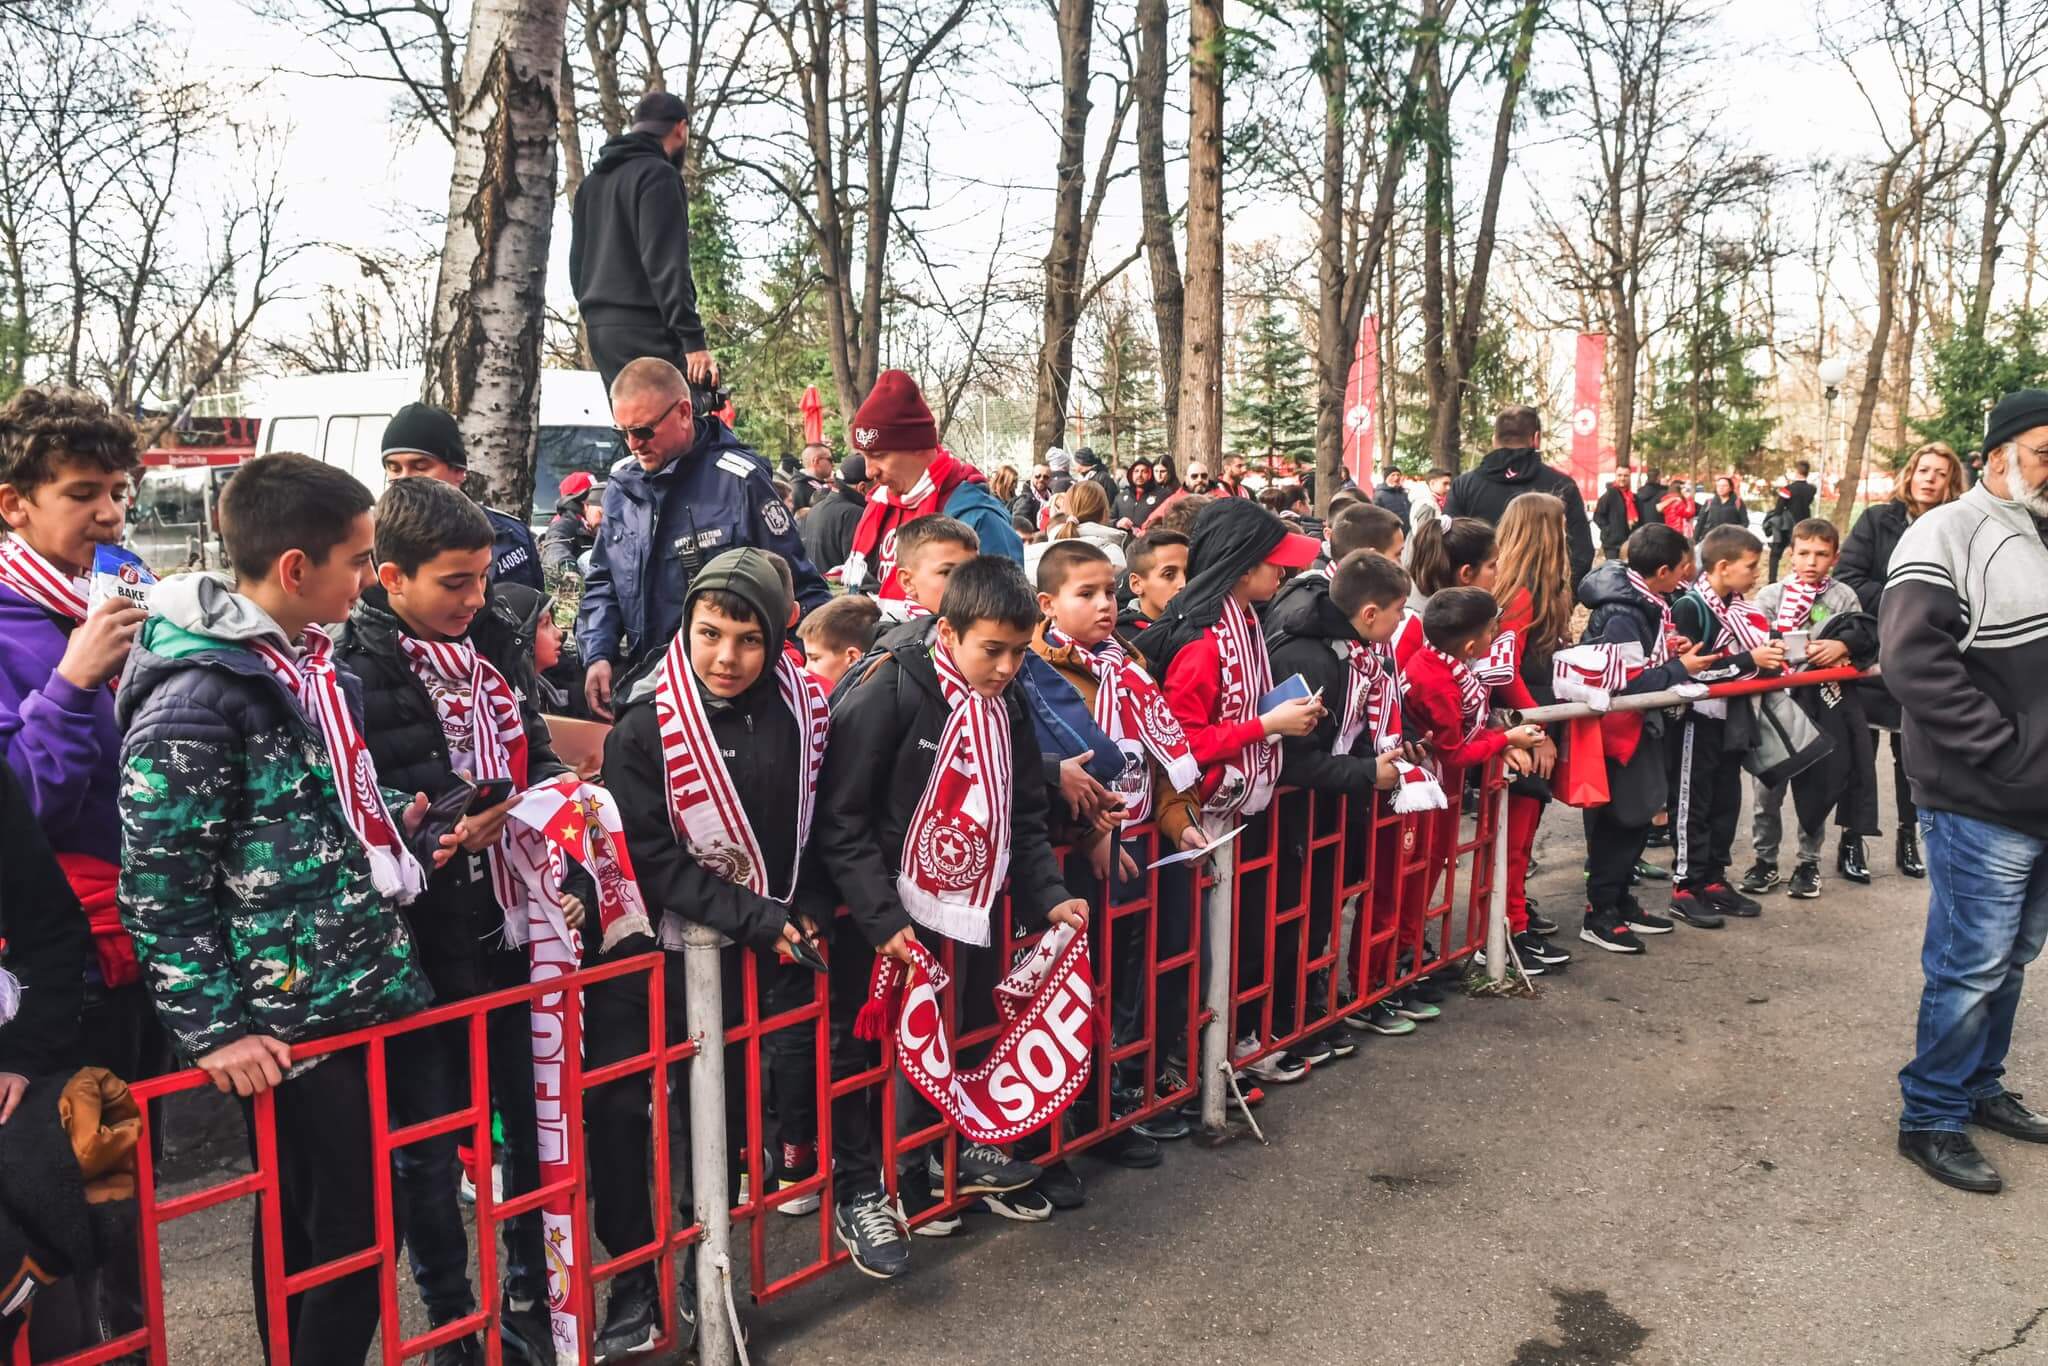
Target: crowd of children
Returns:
[[255, 812]]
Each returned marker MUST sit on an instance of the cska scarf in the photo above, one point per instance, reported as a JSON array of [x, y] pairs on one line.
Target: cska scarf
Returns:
[[1473, 696], [1037, 1066], [314, 686], [41, 582], [479, 716], [874, 537], [1496, 669], [1371, 705], [1667, 632], [1247, 675], [956, 849], [1795, 608], [1742, 627], [704, 807], [1133, 712]]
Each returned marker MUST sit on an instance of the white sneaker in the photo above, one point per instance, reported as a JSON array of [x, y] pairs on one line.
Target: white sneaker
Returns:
[[1275, 1069], [467, 1189]]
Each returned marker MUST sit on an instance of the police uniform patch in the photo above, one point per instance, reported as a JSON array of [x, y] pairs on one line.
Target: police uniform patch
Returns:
[[775, 516]]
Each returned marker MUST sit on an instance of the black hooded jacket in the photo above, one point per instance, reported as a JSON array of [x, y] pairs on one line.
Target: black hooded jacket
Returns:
[[1232, 537], [885, 739], [47, 943], [1303, 628], [828, 531], [629, 242], [1506, 475]]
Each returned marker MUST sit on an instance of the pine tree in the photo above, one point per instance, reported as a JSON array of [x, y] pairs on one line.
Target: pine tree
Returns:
[[1972, 371], [1125, 419], [1709, 414], [1271, 409]]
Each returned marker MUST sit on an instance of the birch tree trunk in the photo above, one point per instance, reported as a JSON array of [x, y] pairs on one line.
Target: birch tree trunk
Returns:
[[1200, 438], [483, 361]]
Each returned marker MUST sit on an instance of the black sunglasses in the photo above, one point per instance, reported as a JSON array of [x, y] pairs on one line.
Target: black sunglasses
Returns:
[[646, 433]]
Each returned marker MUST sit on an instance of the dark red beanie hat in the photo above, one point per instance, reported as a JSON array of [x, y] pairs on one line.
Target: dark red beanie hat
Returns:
[[894, 417]]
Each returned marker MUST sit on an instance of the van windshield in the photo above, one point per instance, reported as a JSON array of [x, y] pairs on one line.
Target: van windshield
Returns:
[[562, 452]]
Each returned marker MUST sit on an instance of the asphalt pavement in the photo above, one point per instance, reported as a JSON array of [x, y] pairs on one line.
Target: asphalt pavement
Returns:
[[1681, 1158]]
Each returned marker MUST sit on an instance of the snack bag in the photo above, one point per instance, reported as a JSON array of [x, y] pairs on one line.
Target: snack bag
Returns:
[[119, 572]]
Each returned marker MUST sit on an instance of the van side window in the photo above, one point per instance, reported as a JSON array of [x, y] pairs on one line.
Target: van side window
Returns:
[[292, 434]]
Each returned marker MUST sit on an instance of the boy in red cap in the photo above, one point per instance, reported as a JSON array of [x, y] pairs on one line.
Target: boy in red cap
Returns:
[[1208, 649], [914, 476]]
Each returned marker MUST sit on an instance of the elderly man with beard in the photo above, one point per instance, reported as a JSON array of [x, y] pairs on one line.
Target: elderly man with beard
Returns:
[[1964, 631]]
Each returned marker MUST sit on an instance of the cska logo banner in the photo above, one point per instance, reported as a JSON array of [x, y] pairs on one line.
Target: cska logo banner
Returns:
[[1037, 1066]]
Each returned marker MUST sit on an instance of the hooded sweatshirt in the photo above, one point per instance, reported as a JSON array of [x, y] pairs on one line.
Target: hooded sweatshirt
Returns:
[[1508, 473], [251, 901], [629, 242], [62, 741]]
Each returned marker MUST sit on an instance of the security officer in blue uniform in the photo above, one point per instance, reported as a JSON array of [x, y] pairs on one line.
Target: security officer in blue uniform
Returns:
[[422, 441], [686, 491]]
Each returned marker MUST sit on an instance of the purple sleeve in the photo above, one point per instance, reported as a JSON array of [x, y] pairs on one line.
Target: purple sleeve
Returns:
[[50, 741]]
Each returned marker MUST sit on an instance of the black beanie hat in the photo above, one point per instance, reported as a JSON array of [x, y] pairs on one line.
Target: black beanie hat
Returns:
[[2016, 412], [430, 431]]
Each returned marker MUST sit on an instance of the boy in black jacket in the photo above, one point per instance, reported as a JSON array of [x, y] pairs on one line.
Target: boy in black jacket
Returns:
[[1334, 632], [1628, 607], [439, 709], [713, 762], [874, 822], [1716, 734]]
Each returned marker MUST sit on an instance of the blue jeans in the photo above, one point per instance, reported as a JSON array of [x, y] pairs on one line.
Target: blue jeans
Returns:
[[1987, 917]]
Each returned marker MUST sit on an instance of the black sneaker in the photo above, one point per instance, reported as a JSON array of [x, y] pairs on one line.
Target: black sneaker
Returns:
[[1342, 1045], [1728, 901], [1425, 990], [1168, 1125], [919, 1193], [1608, 931], [1542, 924], [1760, 878], [1027, 1206], [986, 1170], [1659, 838], [872, 1235], [1130, 1149], [1534, 948], [1060, 1186], [630, 1317], [527, 1329], [1531, 967], [1805, 882], [1640, 920], [1380, 1020], [1410, 1006], [1695, 910], [1314, 1050]]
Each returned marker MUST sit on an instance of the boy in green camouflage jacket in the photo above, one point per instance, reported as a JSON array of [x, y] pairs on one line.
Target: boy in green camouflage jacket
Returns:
[[261, 870]]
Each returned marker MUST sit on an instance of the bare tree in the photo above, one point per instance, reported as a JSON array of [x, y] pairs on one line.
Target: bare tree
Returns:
[[490, 301], [1148, 91], [1200, 434]]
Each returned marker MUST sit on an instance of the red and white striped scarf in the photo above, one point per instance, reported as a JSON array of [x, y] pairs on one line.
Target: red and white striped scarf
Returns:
[[1132, 711], [1742, 627], [1473, 695], [956, 849], [1247, 675], [314, 686], [1667, 632], [41, 582], [1796, 606], [1496, 668], [1372, 707], [704, 808], [479, 716]]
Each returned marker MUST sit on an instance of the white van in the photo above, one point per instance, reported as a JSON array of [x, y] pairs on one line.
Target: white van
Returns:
[[340, 419]]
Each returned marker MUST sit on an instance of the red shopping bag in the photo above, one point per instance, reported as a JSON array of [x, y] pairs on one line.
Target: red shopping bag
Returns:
[[1582, 768]]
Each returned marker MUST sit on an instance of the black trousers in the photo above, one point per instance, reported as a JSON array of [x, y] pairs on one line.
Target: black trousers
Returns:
[[618, 1127], [1709, 803], [1612, 847], [614, 344], [326, 1209]]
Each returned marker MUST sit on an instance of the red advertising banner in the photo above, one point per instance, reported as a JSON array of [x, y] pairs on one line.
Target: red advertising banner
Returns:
[[1591, 372], [1361, 405]]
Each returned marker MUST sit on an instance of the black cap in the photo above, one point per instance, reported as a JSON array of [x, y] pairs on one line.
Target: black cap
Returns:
[[659, 106], [853, 470], [429, 430], [1086, 456], [2016, 413]]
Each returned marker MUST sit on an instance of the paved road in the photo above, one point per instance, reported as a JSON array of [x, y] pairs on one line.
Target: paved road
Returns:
[[1683, 1158]]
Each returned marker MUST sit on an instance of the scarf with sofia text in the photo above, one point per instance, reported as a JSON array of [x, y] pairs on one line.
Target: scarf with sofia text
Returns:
[[1037, 1066], [1133, 712], [314, 686], [704, 807], [479, 716], [1742, 627], [1795, 608], [41, 582], [874, 537], [956, 849], [1667, 631], [1372, 704], [1250, 776]]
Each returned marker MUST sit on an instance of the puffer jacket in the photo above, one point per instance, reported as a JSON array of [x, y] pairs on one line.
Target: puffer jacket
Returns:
[[250, 899]]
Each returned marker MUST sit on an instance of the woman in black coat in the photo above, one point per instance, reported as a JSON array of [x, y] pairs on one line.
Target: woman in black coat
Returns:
[[1931, 477], [1723, 509]]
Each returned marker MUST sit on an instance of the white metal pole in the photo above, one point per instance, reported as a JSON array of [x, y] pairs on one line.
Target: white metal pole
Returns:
[[1497, 907], [1218, 936], [704, 1016]]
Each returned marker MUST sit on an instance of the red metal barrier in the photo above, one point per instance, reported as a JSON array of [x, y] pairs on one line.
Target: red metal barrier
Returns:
[[472, 1119]]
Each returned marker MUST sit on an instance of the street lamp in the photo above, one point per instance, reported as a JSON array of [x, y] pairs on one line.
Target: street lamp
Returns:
[[1832, 373]]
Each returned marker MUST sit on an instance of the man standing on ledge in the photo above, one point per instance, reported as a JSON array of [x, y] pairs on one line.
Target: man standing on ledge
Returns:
[[1515, 467], [629, 248], [899, 439], [1964, 644], [687, 492]]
